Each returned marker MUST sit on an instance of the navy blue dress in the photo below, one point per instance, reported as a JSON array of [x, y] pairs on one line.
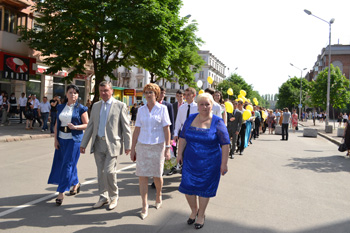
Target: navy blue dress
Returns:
[[202, 157]]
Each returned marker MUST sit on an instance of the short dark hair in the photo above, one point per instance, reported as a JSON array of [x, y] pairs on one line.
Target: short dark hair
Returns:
[[180, 92], [210, 91], [105, 83], [72, 86], [161, 88]]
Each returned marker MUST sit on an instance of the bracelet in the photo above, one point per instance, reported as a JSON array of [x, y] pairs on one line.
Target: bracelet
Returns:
[[167, 146]]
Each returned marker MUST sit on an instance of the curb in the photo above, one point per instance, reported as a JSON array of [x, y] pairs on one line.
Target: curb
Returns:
[[26, 137]]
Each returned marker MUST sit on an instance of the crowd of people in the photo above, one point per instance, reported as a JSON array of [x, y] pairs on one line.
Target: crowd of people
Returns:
[[200, 130]]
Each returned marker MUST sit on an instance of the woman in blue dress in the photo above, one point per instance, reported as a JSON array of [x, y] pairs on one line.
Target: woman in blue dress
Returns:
[[203, 150], [72, 119]]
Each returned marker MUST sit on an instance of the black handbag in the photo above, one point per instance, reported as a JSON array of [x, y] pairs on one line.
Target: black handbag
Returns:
[[342, 147]]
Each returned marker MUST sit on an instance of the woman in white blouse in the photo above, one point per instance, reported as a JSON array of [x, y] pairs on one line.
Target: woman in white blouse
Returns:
[[72, 119], [151, 145]]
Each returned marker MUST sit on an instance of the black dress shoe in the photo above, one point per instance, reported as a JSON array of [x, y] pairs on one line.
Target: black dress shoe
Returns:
[[199, 226], [231, 157], [59, 202], [190, 221]]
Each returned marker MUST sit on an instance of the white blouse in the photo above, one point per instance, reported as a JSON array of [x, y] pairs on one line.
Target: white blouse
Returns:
[[65, 118], [151, 123]]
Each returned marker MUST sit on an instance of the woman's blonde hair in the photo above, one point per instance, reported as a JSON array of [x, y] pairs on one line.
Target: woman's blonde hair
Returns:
[[153, 87], [205, 96]]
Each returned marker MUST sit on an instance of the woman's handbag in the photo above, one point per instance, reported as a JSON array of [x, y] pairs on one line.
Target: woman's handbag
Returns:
[[342, 147]]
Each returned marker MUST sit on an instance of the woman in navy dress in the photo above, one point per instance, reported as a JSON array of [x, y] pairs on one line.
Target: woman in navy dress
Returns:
[[72, 119], [203, 149]]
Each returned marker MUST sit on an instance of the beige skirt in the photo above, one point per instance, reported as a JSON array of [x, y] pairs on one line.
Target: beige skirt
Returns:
[[149, 159]]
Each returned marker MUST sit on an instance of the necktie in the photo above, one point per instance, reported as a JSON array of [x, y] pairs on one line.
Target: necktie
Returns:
[[103, 119], [188, 111]]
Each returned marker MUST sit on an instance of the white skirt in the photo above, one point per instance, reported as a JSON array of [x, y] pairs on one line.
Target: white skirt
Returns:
[[149, 159]]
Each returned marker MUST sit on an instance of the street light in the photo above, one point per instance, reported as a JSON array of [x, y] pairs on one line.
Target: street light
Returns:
[[301, 79], [329, 63]]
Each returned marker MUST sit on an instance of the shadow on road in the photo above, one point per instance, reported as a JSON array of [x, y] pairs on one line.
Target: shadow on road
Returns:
[[335, 163]]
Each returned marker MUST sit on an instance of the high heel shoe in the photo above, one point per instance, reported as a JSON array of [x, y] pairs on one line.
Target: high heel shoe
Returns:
[[190, 221], [198, 225], [158, 205], [144, 215], [59, 202], [73, 192]]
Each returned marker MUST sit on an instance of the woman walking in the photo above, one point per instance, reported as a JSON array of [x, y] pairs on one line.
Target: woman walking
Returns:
[[218, 99], [72, 119], [151, 145], [203, 150], [271, 121], [294, 120], [28, 113], [5, 109]]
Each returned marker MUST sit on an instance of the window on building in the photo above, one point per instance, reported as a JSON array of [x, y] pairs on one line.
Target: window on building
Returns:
[[139, 83], [201, 74], [33, 86], [58, 87], [139, 70], [82, 90], [172, 100], [172, 86], [182, 87]]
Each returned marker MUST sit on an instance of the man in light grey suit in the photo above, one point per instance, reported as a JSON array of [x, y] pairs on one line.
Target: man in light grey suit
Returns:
[[234, 124], [109, 131]]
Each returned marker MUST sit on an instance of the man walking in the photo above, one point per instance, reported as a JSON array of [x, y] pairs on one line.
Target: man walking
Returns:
[[110, 133], [22, 102], [44, 111], [241, 135], [285, 122], [35, 102], [234, 123]]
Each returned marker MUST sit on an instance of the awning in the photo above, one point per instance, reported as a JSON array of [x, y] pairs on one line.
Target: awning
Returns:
[[118, 88]]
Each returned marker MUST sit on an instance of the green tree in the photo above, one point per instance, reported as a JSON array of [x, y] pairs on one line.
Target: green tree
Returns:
[[339, 89], [108, 33], [289, 93]]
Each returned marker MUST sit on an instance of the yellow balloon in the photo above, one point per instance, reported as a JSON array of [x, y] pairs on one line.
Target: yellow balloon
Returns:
[[210, 80], [249, 107], [264, 115], [246, 115], [229, 107], [230, 91], [240, 96], [256, 102], [243, 93], [241, 99], [255, 99], [200, 92], [248, 100]]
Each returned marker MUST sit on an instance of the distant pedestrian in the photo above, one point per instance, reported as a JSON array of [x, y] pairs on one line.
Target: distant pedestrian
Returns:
[[133, 113], [340, 119], [285, 122], [28, 113], [22, 103], [5, 109], [35, 102], [219, 99], [234, 123], [13, 105], [345, 117], [53, 112], [44, 111], [271, 121], [71, 122], [294, 120]]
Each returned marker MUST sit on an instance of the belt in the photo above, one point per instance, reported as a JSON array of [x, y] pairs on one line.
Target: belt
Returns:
[[102, 138], [65, 129]]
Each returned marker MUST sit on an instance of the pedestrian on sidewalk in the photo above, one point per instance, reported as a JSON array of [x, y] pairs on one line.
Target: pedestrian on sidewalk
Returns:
[[5, 109], [22, 103], [340, 119], [271, 121], [13, 105], [28, 113], [110, 133], [234, 127], [44, 111], [346, 137], [285, 123], [345, 117], [69, 129], [203, 150], [35, 102]]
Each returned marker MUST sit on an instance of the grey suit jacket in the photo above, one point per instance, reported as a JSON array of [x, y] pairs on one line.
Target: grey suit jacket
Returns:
[[118, 133]]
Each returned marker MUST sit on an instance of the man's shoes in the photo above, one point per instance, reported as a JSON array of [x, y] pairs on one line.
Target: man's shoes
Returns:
[[113, 204], [172, 171], [232, 157], [99, 204], [241, 153]]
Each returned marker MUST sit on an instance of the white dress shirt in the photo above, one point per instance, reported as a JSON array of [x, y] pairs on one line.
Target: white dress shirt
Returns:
[[182, 115], [217, 110], [151, 123], [66, 117], [22, 101], [35, 103], [108, 106]]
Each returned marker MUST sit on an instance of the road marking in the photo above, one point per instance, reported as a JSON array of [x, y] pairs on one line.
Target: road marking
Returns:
[[31, 203]]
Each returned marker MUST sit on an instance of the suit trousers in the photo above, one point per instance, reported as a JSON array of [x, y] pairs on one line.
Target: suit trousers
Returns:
[[241, 138], [233, 143], [106, 171]]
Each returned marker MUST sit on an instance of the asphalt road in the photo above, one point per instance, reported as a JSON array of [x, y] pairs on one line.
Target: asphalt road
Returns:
[[300, 185]]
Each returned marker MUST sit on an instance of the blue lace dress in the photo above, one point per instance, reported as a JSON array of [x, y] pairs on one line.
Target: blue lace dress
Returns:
[[202, 157]]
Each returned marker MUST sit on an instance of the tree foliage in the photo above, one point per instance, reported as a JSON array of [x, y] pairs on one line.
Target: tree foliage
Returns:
[[339, 89], [108, 33], [289, 93]]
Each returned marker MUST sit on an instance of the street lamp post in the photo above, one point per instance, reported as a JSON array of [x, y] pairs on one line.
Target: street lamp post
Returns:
[[329, 63], [301, 79]]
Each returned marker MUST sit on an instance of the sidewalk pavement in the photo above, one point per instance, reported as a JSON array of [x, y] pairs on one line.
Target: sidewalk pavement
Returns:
[[320, 126], [17, 132]]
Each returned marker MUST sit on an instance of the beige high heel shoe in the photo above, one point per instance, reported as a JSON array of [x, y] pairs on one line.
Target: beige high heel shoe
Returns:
[[144, 215]]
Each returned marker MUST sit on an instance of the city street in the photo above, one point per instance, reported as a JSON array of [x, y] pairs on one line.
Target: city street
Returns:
[[300, 185]]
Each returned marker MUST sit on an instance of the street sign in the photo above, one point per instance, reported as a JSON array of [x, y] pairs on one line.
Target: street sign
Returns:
[[300, 105]]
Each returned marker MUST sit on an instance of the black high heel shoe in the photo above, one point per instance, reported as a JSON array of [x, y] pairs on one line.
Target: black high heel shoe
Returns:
[[199, 226], [59, 202], [190, 221], [73, 192]]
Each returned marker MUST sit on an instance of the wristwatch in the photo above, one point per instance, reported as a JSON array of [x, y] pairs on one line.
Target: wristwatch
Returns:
[[167, 146]]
